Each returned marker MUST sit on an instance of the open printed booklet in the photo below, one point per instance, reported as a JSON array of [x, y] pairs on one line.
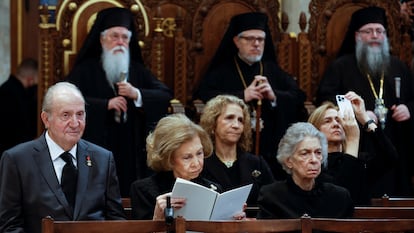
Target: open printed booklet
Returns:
[[206, 204]]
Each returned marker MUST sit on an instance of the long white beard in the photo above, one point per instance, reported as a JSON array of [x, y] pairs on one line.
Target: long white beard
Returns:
[[115, 63], [374, 60]]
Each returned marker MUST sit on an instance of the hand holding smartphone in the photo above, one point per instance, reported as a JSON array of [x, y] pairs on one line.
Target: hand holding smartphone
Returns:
[[345, 106]]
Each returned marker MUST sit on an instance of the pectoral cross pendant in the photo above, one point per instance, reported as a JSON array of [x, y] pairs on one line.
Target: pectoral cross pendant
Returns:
[[381, 111], [253, 120]]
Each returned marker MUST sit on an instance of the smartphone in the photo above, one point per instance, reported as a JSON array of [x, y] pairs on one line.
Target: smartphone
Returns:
[[344, 105]]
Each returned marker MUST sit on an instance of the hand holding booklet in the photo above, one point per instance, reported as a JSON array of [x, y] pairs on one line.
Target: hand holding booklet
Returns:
[[203, 203]]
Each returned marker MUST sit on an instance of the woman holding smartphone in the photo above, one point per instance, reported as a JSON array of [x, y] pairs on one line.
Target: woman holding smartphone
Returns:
[[361, 160]]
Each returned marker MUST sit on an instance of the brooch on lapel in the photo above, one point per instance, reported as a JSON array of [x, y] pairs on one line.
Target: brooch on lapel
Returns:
[[256, 173], [88, 161]]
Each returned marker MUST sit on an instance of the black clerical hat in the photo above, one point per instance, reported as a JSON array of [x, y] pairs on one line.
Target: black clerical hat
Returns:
[[113, 17], [360, 18], [248, 21], [239, 23], [227, 50], [367, 15]]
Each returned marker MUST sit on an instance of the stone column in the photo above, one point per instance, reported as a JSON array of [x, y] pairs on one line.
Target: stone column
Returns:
[[5, 41], [293, 8]]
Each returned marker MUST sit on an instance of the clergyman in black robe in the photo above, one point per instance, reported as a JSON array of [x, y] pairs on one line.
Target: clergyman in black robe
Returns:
[[365, 66], [245, 66], [124, 99]]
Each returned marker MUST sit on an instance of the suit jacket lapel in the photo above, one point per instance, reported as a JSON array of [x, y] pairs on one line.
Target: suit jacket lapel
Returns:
[[85, 163], [42, 159]]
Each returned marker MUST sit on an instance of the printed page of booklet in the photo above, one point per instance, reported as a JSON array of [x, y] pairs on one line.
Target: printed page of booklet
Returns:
[[203, 203]]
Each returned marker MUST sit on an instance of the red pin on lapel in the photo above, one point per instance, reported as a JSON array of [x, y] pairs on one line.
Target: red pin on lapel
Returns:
[[88, 161]]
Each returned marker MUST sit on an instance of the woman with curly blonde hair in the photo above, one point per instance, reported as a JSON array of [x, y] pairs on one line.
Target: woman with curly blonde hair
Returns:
[[226, 119]]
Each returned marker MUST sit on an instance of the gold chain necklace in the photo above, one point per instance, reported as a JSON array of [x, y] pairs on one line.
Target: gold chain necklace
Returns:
[[256, 121], [241, 74], [381, 90], [380, 109]]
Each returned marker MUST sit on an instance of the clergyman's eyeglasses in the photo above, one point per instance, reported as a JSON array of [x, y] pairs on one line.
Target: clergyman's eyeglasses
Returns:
[[371, 31], [253, 39]]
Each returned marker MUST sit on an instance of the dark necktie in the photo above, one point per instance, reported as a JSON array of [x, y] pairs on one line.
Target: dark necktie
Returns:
[[69, 179]]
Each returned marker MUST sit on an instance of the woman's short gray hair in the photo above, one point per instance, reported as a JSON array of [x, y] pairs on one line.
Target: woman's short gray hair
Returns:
[[296, 134]]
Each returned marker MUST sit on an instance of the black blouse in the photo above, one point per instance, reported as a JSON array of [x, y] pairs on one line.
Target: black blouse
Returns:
[[284, 200]]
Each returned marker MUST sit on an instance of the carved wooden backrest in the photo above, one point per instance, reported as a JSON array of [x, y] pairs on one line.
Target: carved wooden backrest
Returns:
[[329, 22]]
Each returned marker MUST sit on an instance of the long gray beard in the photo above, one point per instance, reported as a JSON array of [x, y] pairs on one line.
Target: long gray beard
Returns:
[[374, 61], [115, 64]]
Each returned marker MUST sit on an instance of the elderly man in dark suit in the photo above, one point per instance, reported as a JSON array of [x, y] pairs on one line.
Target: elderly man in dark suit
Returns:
[[58, 174]]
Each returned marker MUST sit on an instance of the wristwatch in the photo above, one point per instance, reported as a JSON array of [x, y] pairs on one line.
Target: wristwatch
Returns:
[[370, 125]]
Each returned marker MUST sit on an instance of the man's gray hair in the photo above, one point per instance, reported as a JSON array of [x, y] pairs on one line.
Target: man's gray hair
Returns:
[[58, 88]]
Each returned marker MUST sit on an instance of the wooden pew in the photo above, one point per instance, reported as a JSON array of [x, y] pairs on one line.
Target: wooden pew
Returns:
[[303, 225], [393, 201], [257, 226], [110, 226], [384, 212], [364, 212], [357, 225]]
